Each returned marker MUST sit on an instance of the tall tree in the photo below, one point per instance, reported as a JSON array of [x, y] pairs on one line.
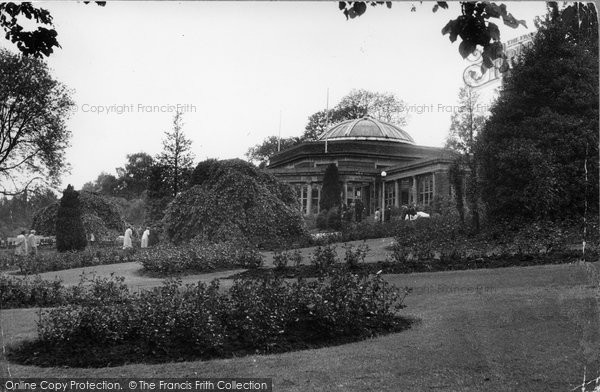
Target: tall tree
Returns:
[[70, 233], [133, 178], [542, 135], [465, 126], [34, 108], [158, 196], [356, 104], [176, 157], [332, 190]]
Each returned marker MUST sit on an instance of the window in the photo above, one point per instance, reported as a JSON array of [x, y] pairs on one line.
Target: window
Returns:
[[390, 194], [405, 191], [302, 191], [316, 193], [425, 189]]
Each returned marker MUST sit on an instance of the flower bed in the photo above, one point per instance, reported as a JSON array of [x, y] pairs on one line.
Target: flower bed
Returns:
[[199, 257], [54, 261], [202, 321], [23, 292], [445, 241]]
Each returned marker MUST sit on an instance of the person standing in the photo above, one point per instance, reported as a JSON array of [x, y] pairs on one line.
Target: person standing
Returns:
[[359, 207], [145, 237], [377, 215], [127, 244], [21, 245], [32, 243]]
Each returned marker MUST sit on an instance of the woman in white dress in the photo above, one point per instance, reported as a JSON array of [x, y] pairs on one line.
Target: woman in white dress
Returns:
[[21, 245], [127, 239], [145, 237]]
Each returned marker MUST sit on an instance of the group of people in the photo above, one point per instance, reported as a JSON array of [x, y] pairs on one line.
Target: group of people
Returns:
[[26, 244], [127, 242], [408, 213], [354, 212]]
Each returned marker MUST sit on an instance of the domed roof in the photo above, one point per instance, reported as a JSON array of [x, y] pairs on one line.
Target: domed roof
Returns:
[[366, 128]]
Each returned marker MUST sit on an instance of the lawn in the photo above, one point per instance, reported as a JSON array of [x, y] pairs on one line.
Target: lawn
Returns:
[[508, 329]]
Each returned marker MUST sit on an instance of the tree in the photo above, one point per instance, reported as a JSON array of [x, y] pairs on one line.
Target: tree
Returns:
[[236, 201], [106, 184], [332, 190], [70, 233], [203, 171], [357, 104], [176, 158], [133, 178], [542, 135], [473, 26], [36, 43], [158, 195], [261, 153], [466, 123], [33, 133], [100, 214]]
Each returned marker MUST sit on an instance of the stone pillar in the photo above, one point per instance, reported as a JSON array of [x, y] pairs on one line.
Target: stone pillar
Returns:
[[397, 193], [414, 190], [309, 199], [345, 201], [382, 200], [433, 184]]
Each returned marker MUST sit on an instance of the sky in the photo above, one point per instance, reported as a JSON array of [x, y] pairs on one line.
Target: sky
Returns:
[[236, 68]]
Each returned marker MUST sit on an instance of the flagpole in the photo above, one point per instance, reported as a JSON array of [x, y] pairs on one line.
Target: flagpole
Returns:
[[279, 136], [326, 120]]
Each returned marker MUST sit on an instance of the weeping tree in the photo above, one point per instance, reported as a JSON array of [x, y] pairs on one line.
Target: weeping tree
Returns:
[[234, 201], [70, 233]]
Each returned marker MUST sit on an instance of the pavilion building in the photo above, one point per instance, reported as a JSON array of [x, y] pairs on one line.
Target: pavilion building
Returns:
[[378, 163]]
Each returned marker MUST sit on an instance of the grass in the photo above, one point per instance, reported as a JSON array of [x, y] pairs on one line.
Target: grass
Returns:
[[509, 329]]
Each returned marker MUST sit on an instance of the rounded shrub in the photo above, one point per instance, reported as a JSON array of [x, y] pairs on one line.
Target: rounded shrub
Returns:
[[235, 200]]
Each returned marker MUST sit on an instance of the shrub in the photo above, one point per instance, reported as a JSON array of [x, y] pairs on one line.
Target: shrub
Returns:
[[237, 200], [70, 234], [43, 262], [36, 292], [268, 315], [334, 219], [100, 215], [445, 239], [353, 257], [321, 221], [324, 257], [200, 256], [282, 259]]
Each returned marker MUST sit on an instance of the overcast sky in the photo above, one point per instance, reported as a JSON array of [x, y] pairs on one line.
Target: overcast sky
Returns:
[[233, 67]]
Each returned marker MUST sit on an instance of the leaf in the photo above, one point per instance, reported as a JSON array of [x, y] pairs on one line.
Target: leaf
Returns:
[[360, 8], [492, 10], [493, 51], [466, 48], [448, 28], [487, 63], [342, 5], [388, 4], [443, 4], [435, 8], [510, 21], [494, 31]]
